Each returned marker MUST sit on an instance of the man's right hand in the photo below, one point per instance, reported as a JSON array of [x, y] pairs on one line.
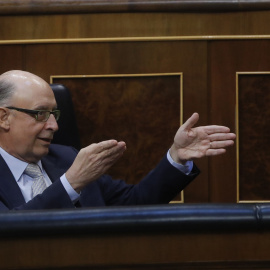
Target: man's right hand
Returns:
[[93, 161]]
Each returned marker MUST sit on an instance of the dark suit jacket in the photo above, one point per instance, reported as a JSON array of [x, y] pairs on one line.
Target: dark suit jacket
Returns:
[[159, 186]]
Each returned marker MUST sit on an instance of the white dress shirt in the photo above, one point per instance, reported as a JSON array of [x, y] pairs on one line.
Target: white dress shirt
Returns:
[[186, 169], [25, 182]]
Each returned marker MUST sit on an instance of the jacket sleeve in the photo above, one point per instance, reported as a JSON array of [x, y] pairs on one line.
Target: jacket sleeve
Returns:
[[160, 186]]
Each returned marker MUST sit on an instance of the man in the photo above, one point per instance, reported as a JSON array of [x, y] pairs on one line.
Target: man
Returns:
[[67, 179]]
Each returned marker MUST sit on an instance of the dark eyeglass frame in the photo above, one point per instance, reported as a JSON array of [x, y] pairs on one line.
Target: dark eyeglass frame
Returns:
[[56, 113]]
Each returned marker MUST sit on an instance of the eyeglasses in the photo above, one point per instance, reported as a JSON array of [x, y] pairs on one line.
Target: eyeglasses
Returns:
[[40, 115]]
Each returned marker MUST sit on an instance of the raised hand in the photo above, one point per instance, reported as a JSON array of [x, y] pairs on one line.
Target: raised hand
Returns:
[[195, 142], [93, 161]]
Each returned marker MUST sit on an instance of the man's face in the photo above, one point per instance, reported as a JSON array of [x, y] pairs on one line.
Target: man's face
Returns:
[[28, 139]]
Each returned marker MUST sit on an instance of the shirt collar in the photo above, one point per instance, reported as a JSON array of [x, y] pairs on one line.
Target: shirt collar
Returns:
[[15, 165]]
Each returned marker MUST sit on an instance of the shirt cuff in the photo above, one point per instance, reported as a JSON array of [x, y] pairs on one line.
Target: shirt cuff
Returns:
[[73, 195], [186, 169]]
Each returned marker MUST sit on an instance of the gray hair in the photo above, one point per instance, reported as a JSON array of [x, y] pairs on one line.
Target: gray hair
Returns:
[[7, 90]]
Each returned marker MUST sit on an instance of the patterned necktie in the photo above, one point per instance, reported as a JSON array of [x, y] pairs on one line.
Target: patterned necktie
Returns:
[[34, 171]]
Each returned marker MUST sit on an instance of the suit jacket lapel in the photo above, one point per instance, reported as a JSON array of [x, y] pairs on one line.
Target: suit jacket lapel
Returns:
[[10, 192], [9, 189]]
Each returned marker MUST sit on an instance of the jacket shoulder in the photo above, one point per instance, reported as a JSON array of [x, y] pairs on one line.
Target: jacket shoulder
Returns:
[[62, 152]]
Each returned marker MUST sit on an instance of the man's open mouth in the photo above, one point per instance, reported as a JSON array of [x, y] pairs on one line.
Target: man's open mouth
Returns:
[[46, 140]]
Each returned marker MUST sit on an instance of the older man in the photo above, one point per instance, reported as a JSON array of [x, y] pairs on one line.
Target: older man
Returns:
[[35, 174]]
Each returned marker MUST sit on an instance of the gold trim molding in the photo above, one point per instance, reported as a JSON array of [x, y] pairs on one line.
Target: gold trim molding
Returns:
[[132, 39], [180, 74]]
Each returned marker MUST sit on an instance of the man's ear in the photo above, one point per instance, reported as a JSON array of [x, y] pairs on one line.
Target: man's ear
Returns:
[[4, 118]]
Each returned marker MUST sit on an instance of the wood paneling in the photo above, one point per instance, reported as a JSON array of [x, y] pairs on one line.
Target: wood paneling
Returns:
[[133, 25], [207, 48], [142, 57], [143, 111], [228, 58], [11, 57], [246, 250], [254, 140], [183, 236]]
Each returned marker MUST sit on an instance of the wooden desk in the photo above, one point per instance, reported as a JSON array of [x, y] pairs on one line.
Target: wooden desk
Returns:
[[207, 236]]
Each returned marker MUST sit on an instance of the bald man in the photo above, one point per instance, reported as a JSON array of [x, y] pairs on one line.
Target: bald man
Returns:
[[65, 178]]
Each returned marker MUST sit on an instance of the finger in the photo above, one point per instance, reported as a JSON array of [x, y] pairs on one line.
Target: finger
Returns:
[[118, 149], [112, 158], [216, 129], [113, 153], [215, 152], [222, 136], [191, 121], [221, 144], [109, 157], [102, 146]]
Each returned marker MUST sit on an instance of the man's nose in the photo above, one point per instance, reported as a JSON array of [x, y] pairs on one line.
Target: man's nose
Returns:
[[51, 123]]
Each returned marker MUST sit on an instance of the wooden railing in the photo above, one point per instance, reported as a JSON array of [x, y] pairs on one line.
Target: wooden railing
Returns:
[[191, 236]]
